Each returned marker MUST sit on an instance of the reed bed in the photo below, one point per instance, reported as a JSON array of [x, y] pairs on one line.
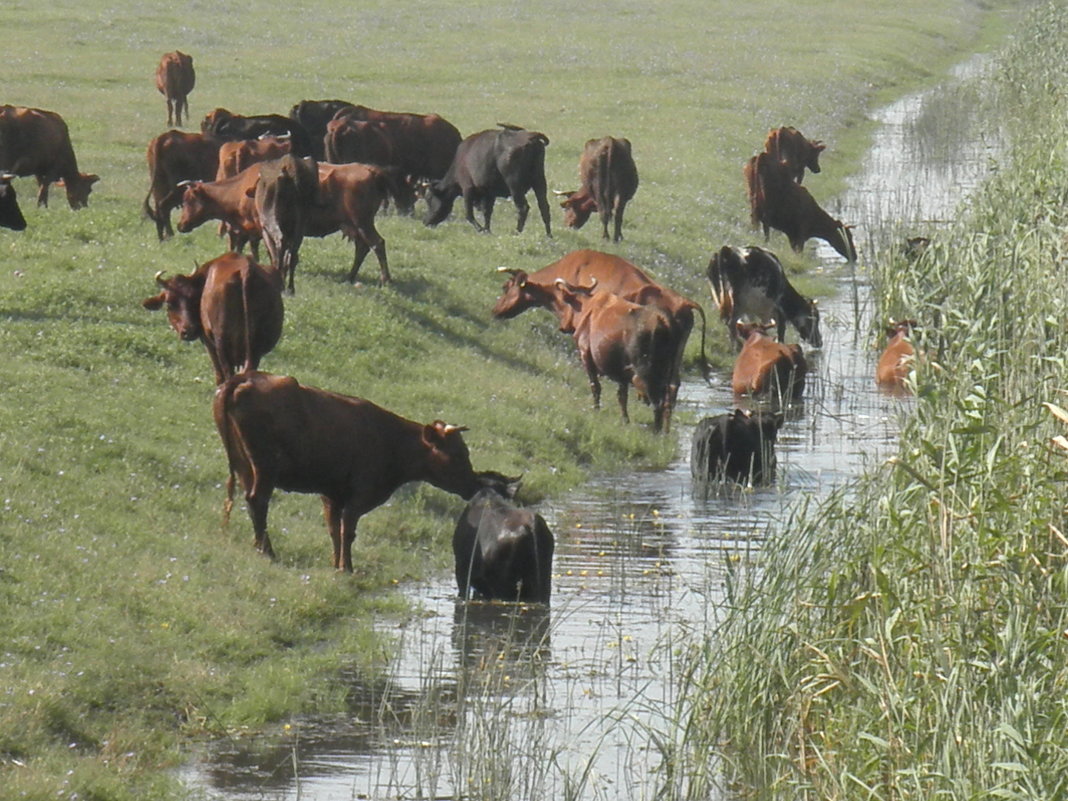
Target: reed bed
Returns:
[[908, 638]]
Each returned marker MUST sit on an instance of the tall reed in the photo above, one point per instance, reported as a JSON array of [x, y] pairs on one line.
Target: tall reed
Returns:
[[909, 638]]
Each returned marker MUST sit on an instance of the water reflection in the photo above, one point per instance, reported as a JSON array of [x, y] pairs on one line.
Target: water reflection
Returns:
[[573, 701]]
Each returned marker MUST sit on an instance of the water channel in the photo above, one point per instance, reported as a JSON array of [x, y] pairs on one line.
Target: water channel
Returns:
[[571, 703]]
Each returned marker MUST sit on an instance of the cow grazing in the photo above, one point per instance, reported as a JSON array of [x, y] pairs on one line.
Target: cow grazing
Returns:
[[175, 79], [223, 124], [608, 180], [349, 198], [777, 201], [36, 142], [243, 153], [788, 146], [232, 304], [173, 158], [314, 116], [354, 454], [611, 274], [423, 145], [489, 165], [765, 366], [738, 446], [286, 191], [625, 342], [501, 550], [230, 201], [751, 283], [898, 358], [10, 213]]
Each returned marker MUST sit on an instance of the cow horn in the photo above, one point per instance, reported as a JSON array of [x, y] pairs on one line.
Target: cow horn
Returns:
[[448, 428], [509, 270], [187, 182], [159, 278], [7, 176]]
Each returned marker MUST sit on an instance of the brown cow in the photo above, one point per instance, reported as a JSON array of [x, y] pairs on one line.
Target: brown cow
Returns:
[[230, 201], [751, 282], [625, 342], [766, 366], [285, 194], [354, 454], [777, 201], [243, 153], [608, 179], [423, 144], [787, 145], [612, 274], [349, 141], [174, 157], [898, 358], [36, 142], [175, 79], [232, 304], [349, 198]]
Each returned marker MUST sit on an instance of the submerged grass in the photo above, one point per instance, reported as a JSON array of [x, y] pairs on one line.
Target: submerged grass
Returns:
[[907, 639], [130, 621]]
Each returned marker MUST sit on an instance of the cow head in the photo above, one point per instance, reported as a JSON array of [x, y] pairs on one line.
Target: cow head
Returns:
[[519, 294], [748, 329], [181, 297], [10, 213], [448, 462], [213, 120], [194, 207], [903, 328], [78, 188], [569, 300], [578, 206], [439, 196]]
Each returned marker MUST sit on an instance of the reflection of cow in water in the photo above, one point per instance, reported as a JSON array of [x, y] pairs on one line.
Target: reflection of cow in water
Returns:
[[502, 551]]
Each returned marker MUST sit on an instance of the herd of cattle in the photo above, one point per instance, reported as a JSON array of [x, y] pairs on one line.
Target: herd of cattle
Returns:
[[331, 166]]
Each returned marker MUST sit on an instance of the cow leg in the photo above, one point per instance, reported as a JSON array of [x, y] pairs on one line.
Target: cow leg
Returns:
[[540, 194], [349, 518], [522, 209], [42, 190], [364, 245], [487, 211], [618, 234], [621, 394], [469, 209], [258, 501], [591, 374], [332, 516]]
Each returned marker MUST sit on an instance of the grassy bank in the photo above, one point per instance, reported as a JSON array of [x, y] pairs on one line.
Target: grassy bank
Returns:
[[907, 639], [129, 619]]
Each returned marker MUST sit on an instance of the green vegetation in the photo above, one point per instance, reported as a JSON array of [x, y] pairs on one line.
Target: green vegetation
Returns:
[[907, 640], [129, 619]]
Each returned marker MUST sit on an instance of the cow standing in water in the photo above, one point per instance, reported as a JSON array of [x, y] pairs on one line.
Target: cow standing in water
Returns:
[[765, 366], [36, 142], [609, 180], [501, 550], [897, 359], [175, 79], [739, 446], [751, 283]]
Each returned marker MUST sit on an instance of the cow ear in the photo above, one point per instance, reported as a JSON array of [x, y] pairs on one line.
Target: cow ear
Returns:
[[154, 303]]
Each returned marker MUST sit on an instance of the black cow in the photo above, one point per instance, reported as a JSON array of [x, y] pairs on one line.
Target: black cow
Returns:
[[313, 116], [489, 165], [226, 126], [10, 213], [739, 446], [501, 550], [751, 283]]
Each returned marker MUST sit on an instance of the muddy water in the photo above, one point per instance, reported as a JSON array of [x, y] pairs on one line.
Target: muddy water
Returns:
[[577, 702]]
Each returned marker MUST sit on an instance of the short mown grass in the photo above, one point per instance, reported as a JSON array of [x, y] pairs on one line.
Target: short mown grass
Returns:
[[130, 619]]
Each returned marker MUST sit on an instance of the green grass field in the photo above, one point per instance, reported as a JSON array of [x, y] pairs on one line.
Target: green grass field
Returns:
[[129, 618]]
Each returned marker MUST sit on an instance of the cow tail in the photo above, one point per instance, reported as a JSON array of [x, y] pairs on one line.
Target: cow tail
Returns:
[[246, 279], [604, 180], [722, 290], [224, 399]]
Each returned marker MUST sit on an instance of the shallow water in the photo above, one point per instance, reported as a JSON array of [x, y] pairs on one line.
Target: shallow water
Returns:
[[570, 702]]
